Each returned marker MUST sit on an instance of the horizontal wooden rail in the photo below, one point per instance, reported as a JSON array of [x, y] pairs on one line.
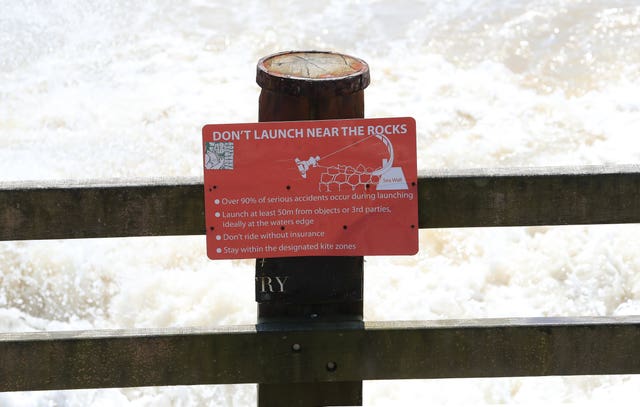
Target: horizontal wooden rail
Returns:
[[531, 197], [320, 353], [467, 198]]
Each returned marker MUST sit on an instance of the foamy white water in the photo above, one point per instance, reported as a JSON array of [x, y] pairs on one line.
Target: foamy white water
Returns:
[[121, 89]]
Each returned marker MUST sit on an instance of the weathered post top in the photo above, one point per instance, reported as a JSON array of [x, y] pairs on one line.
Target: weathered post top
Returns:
[[311, 85], [298, 73]]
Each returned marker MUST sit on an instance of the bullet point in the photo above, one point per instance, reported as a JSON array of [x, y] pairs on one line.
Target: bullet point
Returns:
[[218, 250], [217, 201], [217, 214], [218, 237]]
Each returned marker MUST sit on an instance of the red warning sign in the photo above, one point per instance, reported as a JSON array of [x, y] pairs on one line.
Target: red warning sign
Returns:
[[311, 188]]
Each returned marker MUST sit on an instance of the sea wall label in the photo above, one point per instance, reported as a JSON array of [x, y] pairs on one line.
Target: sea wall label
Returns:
[[311, 188]]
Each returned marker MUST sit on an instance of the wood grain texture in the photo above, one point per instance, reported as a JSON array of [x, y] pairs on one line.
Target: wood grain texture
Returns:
[[530, 196], [369, 351], [312, 74]]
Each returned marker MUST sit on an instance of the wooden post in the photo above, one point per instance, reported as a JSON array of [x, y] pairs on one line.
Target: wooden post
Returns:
[[310, 86]]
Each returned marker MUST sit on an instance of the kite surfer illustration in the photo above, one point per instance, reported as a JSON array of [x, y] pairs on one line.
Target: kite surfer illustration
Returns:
[[340, 175]]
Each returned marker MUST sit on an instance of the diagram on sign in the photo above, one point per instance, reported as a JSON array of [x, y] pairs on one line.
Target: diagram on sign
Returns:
[[311, 188], [338, 176]]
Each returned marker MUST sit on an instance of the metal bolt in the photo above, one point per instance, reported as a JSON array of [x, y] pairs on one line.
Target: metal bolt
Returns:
[[296, 347], [332, 366]]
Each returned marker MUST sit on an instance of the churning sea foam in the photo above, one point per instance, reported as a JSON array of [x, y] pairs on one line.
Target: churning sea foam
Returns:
[[121, 89]]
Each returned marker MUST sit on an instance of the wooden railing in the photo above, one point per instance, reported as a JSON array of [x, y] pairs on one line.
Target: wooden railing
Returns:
[[319, 353]]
